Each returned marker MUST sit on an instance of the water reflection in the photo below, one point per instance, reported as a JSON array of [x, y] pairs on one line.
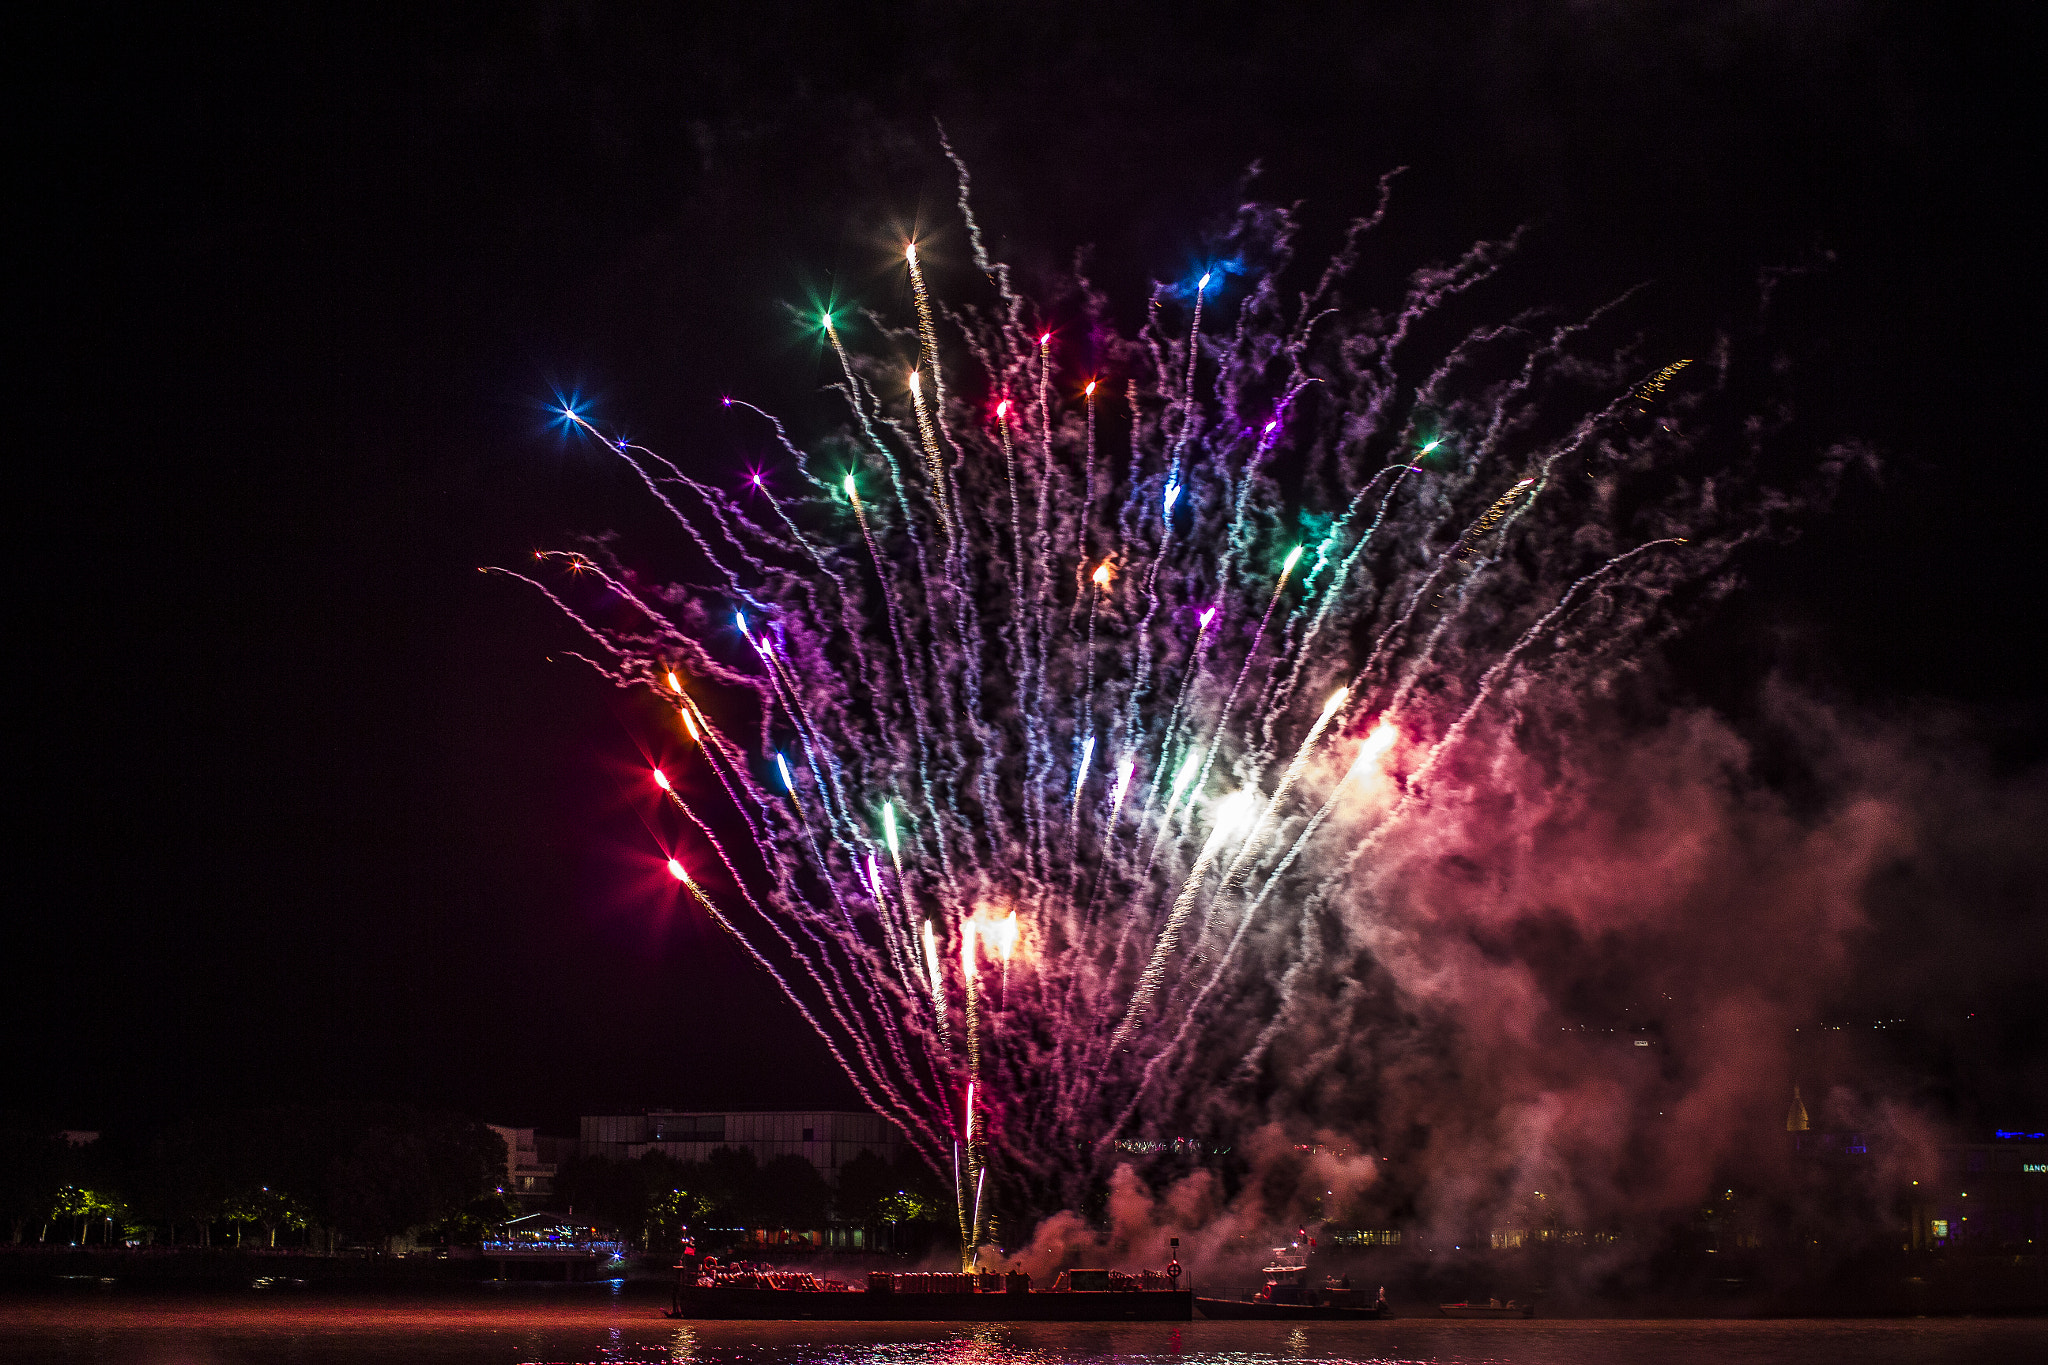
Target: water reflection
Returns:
[[587, 1325]]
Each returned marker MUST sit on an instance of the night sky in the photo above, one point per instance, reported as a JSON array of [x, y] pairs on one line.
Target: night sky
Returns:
[[301, 808]]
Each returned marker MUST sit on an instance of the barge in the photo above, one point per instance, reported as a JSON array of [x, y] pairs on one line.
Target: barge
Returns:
[[719, 1294]]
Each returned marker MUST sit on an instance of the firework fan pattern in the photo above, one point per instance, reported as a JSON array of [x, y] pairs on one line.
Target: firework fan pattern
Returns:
[[1064, 732]]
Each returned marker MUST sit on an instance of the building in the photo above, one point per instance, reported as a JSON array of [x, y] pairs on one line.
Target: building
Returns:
[[529, 1172], [828, 1139]]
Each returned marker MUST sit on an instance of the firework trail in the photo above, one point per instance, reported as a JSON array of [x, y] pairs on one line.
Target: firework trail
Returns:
[[902, 817]]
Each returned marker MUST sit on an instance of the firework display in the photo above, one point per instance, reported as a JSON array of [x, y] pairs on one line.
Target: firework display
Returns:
[[1048, 732]]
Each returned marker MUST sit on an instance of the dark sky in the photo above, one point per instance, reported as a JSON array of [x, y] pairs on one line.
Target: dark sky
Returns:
[[302, 809]]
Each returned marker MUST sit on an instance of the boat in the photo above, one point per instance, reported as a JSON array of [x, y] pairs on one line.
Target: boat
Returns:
[[716, 1293], [1493, 1308], [1289, 1295]]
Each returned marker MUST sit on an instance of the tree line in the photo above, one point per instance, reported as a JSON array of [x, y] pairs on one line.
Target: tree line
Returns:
[[660, 1202], [331, 1175], [298, 1176]]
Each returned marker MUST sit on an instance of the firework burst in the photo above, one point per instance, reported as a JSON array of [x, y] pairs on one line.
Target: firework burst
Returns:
[[1028, 721]]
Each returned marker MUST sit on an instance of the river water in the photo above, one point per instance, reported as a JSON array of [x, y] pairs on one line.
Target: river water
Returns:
[[536, 1324]]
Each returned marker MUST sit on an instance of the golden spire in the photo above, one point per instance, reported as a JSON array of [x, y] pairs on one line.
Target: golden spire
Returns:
[[1795, 1117]]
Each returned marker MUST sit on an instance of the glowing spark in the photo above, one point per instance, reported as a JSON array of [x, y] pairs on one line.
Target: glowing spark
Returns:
[[739, 618], [788, 782], [1090, 390], [1205, 618], [1172, 495], [674, 684], [690, 725], [1101, 574], [847, 484], [1203, 283], [1374, 748], [1124, 774], [910, 253], [661, 780], [931, 960], [1081, 768], [1002, 410], [916, 382], [968, 966], [1006, 937], [1188, 768], [889, 827], [1293, 558], [675, 869], [1336, 700]]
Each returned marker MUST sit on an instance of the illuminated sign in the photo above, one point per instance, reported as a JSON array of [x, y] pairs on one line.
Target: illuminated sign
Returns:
[[2035, 1168], [1940, 1227]]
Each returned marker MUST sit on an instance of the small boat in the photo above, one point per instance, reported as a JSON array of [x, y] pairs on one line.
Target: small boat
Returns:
[[1288, 1295], [1493, 1308]]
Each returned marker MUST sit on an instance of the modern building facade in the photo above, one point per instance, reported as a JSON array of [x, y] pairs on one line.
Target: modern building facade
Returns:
[[828, 1139], [529, 1177]]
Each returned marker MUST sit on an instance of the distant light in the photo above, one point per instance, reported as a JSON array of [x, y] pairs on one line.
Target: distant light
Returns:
[[725, 402], [675, 869]]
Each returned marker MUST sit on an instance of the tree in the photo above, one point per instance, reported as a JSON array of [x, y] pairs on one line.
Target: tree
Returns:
[[268, 1209], [32, 1169], [864, 1183], [791, 1194], [670, 1216], [731, 1182]]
